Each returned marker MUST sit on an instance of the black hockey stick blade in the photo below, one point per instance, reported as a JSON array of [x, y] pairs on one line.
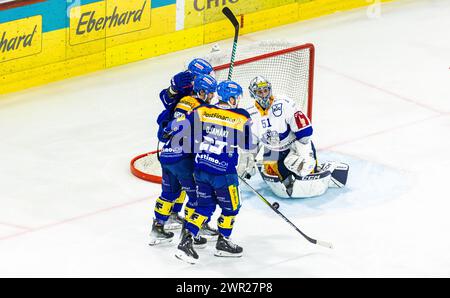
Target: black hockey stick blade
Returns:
[[230, 15]]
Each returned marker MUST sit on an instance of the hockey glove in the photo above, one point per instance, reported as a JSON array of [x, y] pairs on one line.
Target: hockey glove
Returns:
[[181, 83], [246, 167], [300, 159], [164, 133]]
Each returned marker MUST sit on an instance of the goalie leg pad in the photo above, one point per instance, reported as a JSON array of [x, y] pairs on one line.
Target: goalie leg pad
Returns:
[[274, 182], [312, 185], [339, 173], [298, 187]]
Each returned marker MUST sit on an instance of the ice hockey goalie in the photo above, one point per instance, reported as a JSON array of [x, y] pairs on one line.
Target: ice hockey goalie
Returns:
[[286, 158]]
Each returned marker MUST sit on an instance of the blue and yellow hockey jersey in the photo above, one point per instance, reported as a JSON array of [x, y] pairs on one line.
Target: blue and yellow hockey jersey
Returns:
[[177, 149], [215, 133]]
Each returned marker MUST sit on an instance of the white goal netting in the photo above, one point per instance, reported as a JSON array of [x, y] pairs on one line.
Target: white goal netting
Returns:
[[289, 67]]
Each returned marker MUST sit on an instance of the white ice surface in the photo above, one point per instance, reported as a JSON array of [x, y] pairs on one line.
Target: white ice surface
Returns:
[[70, 207]]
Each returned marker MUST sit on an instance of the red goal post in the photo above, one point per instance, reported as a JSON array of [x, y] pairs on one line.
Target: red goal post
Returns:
[[289, 68]]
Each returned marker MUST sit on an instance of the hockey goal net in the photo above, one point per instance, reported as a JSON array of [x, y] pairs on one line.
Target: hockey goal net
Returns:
[[289, 67]]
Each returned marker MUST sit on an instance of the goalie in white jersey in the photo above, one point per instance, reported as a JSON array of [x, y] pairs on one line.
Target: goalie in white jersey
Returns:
[[289, 164]]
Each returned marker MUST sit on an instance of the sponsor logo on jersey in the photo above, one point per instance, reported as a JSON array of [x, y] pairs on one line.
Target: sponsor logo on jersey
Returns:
[[301, 120], [210, 159], [271, 137], [220, 116], [20, 38], [108, 18], [173, 150], [201, 5], [277, 109], [179, 116], [187, 103]]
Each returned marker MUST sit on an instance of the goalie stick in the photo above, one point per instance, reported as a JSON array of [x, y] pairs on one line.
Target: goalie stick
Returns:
[[314, 241], [230, 15]]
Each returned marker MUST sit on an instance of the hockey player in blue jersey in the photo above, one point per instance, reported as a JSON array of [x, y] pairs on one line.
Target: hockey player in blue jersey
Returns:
[[217, 131], [177, 163], [182, 86]]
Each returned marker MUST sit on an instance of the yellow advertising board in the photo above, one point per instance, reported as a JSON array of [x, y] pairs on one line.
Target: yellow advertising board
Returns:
[[20, 38], [200, 12], [108, 18], [39, 45]]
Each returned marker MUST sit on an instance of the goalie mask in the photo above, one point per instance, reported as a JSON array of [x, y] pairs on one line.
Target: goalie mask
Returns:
[[261, 91]]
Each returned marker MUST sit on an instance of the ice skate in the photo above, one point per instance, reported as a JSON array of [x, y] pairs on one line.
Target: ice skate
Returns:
[[158, 235], [200, 242], [226, 248], [185, 250], [208, 232], [175, 222]]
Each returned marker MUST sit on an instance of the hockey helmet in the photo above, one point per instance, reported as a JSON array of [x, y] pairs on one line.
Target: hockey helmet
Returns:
[[229, 92], [200, 66], [207, 84]]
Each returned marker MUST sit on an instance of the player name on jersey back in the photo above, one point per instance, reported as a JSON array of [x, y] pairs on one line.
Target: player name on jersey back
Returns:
[[221, 132]]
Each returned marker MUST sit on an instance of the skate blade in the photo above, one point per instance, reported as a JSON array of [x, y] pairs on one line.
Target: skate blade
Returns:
[[183, 257], [224, 254], [210, 238], [154, 242], [200, 246], [172, 227]]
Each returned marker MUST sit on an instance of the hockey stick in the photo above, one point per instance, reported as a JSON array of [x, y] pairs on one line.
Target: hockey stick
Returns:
[[230, 15], [314, 241], [158, 152]]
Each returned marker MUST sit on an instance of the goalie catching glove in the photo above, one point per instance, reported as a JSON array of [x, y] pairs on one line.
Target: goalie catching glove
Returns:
[[300, 159]]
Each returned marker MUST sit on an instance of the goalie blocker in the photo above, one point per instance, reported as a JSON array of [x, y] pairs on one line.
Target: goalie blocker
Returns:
[[331, 174]]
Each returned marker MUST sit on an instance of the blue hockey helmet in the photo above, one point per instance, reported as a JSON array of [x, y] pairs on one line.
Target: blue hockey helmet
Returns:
[[205, 83], [228, 90], [200, 66]]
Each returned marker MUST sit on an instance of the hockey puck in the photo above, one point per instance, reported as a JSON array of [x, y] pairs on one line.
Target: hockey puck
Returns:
[[276, 205]]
